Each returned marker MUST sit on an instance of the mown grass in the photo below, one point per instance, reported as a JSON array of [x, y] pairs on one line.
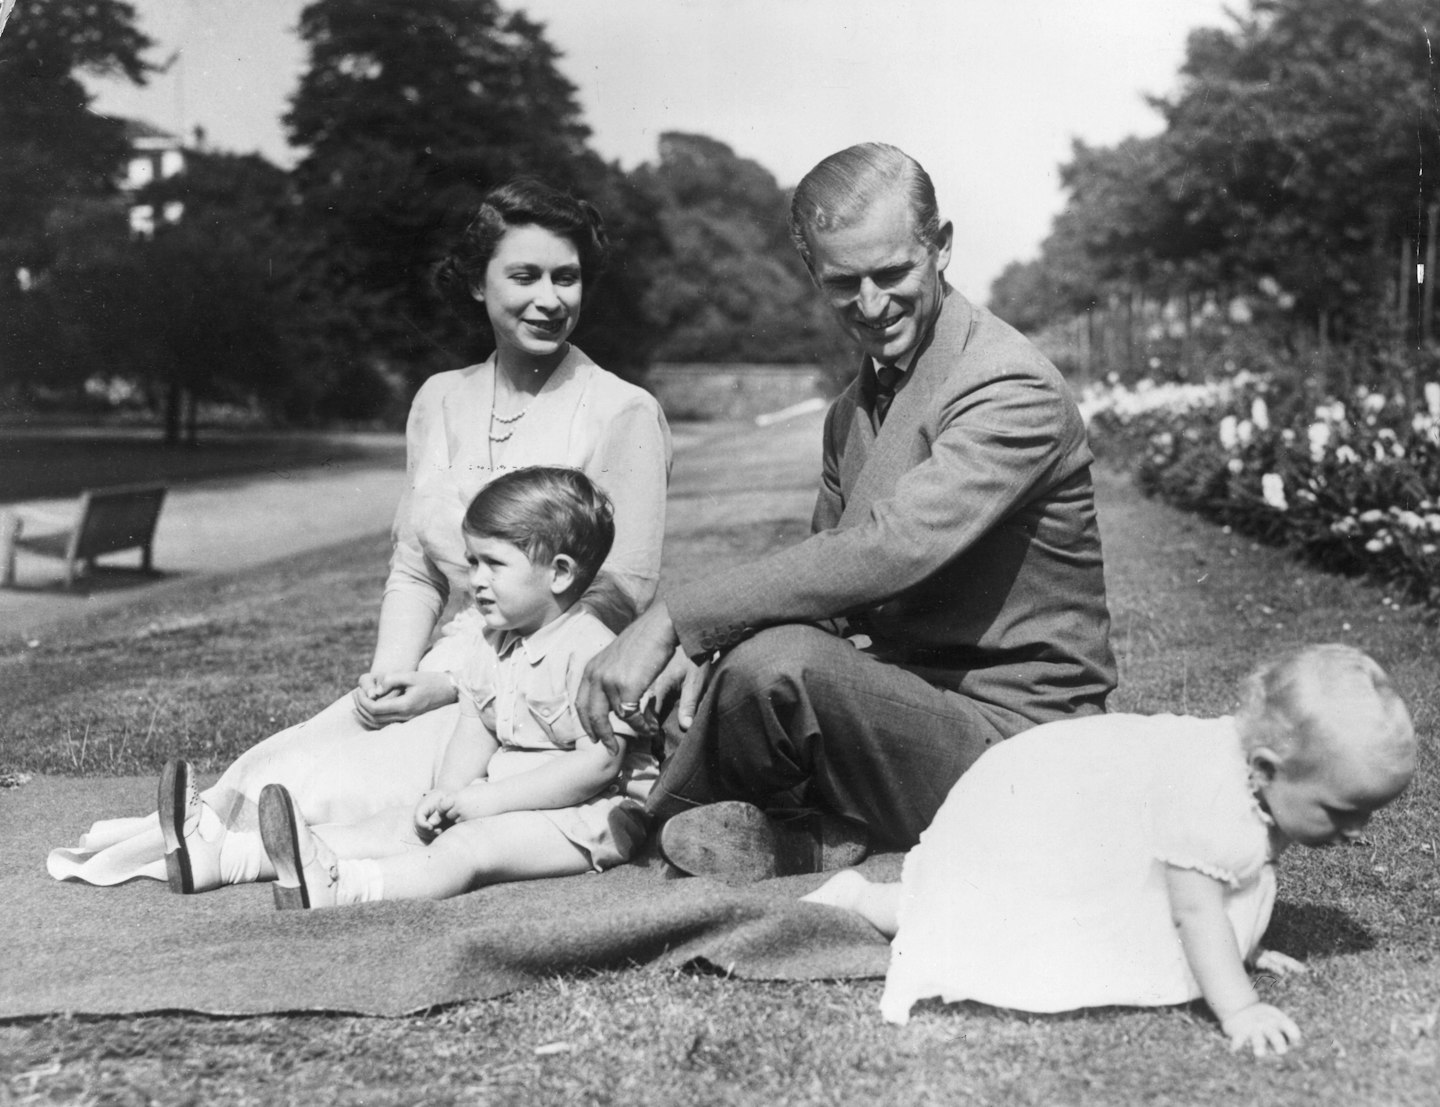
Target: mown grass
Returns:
[[1194, 607]]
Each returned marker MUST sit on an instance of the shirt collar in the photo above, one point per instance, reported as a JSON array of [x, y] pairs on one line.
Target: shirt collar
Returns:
[[532, 647]]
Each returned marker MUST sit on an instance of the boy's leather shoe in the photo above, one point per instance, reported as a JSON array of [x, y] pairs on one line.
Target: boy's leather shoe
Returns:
[[738, 843], [192, 863], [306, 871]]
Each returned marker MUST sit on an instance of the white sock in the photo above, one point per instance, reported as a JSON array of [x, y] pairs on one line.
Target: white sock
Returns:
[[361, 881], [242, 857]]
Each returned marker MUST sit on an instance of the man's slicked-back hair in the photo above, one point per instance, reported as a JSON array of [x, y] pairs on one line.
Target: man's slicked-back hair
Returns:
[[547, 511], [837, 191]]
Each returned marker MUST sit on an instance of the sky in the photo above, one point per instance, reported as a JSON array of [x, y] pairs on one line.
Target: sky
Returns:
[[987, 94]]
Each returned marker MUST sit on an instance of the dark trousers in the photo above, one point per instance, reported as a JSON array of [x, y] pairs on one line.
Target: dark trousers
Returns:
[[796, 717]]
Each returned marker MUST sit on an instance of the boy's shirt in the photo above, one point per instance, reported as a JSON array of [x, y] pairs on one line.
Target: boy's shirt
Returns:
[[524, 687]]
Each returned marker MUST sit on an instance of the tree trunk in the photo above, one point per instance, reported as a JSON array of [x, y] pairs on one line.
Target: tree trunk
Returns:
[[1427, 291], [192, 436], [1407, 275], [173, 396]]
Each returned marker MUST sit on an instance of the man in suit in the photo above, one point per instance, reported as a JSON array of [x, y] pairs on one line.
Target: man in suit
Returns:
[[951, 594]]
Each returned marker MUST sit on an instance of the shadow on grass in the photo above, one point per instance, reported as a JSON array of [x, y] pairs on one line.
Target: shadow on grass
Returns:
[[39, 466], [101, 579], [1308, 930]]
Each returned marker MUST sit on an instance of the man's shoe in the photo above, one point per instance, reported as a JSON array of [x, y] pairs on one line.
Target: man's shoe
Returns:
[[738, 843], [192, 864], [307, 873]]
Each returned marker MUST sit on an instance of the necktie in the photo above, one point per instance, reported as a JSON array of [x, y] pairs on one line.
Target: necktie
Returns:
[[886, 378]]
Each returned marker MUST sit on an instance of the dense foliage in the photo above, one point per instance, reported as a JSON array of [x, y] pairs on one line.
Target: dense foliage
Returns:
[[1293, 169], [1348, 481]]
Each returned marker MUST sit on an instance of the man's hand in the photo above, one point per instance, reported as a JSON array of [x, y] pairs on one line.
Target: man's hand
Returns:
[[619, 674], [1261, 1028], [384, 698], [682, 681]]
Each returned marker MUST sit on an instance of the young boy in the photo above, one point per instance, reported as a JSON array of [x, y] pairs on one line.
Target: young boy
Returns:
[[523, 792]]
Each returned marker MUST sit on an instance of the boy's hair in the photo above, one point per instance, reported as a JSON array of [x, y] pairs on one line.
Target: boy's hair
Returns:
[[1318, 690], [547, 511]]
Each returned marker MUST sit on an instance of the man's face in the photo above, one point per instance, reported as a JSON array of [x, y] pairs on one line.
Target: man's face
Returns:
[[881, 282]]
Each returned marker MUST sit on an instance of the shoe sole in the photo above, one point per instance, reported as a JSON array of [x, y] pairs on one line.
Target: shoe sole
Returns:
[[281, 837], [730, 841], [175, 782], [738, 843]]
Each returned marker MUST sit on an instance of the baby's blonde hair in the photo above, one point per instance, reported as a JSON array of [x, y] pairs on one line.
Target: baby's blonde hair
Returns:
[[1328, 692]]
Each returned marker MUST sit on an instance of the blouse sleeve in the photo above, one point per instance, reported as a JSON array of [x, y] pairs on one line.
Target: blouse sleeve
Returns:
[[1205, 818], [412, 571], [631, 462]]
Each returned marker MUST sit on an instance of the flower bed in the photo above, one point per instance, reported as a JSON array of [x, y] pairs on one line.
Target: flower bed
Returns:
[[1352, 483]]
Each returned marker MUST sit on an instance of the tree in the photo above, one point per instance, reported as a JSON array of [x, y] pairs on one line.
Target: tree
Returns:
[[728, 284], [1304, 133], [211, 308], [409, 111], [56, 156], [53, 149]]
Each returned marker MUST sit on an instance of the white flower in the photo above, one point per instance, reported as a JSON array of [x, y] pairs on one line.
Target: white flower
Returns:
[[1235, 465], [1345, 455], [1371, 517], [1229, 432], [1319, 435], [1272, 488], [1410, 521], [1432, 399], [1260, 414], [1245, 432], [1374, 545], [1374, 403]]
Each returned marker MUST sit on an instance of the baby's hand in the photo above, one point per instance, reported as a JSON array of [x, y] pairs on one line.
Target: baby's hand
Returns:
[[472, 802], [430, 817], [1269, 960], [1261, 1027]]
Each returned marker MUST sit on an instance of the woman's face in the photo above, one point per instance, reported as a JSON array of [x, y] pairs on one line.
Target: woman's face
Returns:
[[532, 291]]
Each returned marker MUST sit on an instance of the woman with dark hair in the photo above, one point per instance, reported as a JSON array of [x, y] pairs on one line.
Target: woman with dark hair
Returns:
[[527, 258]]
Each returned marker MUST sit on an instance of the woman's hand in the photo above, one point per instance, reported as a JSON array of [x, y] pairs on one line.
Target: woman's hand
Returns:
[[1259, 1028], [385, 698]]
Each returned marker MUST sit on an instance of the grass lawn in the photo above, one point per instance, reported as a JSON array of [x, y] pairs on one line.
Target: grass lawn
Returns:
[[208, 669]]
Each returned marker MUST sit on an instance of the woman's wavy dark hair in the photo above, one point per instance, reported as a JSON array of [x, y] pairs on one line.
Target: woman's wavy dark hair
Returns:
[[519, 203]]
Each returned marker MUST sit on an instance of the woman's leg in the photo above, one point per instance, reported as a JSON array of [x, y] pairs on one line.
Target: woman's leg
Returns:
[[519, 845], [337, 771]]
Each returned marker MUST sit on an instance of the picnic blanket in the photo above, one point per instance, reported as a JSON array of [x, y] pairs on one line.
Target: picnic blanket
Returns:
[[137, 948]]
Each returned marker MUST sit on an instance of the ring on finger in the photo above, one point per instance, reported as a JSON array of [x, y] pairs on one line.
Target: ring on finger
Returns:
[[628, 707]]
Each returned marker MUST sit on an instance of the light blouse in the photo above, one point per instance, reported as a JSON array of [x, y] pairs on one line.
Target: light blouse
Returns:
[[584, 417]]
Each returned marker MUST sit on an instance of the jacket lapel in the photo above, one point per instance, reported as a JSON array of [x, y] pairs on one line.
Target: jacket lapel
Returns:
[[882, 459]]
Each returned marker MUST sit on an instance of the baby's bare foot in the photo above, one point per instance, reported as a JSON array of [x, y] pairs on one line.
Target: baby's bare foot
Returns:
[[842, 890]]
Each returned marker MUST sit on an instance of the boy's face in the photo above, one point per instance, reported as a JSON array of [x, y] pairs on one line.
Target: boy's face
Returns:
[[511, 591], [1326, 794]]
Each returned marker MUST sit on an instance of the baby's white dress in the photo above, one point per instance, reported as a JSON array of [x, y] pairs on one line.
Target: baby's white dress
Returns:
[[1040, 885]]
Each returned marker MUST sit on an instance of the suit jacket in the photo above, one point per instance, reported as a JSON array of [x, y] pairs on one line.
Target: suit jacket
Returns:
[[962, 537]]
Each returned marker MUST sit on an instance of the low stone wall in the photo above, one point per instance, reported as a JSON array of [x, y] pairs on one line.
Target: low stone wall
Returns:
[[720, 391]]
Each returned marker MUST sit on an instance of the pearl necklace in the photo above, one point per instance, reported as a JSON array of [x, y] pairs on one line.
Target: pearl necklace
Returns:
[[508, 422]]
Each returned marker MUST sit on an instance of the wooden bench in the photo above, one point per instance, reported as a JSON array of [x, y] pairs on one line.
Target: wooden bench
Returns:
[[109, 520]]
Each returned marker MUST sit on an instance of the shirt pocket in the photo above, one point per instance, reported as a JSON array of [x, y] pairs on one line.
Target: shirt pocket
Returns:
[[558, 719]]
